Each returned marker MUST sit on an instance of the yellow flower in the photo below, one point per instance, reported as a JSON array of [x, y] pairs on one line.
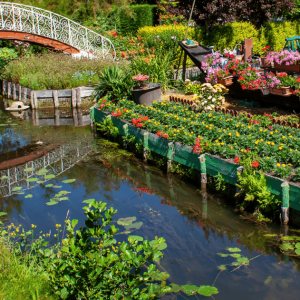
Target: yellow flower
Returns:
[[283, 165], [280, 148], [278, 164], [283, 137], [268, 157]]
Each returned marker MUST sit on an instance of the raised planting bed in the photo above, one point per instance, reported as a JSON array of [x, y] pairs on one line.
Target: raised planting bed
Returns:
[[173, 131]]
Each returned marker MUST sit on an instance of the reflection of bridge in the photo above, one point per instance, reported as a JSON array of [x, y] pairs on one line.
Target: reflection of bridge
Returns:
[[39, 26], [56, 162]]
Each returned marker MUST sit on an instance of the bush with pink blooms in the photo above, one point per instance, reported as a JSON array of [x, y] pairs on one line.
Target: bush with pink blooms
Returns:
[[284, 57]]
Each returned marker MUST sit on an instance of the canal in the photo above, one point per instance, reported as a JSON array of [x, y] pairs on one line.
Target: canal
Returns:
[[84, 167]]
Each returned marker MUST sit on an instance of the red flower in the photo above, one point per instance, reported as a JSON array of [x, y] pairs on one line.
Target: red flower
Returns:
[[298, 79], [248, 150], [257, 250], [115, 34], [255, 164], [270, 128], [237, 159], [268, 47], [158, 133], [250, 121]]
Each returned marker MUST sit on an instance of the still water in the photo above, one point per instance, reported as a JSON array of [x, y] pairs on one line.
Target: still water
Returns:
[[164, 206]]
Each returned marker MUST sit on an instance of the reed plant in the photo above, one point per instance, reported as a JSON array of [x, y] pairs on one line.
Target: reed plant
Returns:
[[54, 71]]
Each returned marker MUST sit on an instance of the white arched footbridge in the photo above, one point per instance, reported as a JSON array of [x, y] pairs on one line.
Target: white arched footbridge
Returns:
[[35, 25]]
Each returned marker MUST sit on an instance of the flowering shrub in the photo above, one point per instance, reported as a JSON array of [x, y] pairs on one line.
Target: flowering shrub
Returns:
[[236, 67], [265, 51], [214, 74], [206, 96], [279, 80], [284, 57], [211, 61], [250, 79], [140, 80]]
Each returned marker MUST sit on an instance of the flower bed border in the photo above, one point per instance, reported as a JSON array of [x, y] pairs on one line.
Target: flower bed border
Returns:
[[205, 163]]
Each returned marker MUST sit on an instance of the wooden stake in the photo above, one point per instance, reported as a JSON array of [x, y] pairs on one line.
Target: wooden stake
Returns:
[[73, 97], [55, 98]]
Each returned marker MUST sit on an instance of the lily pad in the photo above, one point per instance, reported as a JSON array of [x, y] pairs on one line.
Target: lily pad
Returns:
[[235, 255], [69, 180], [223, 255], [175, 288], [42, 172], [268, 280], [32, 179], [161, 276], [136, 225], [190, 289], [222, 267], [234, 249], [287, 247], [63, 198], [28, 196], [88, 201], [126, 221], [57, 186], [297, 251], [207, 290], [297, 245], [40, 181], [17, 188], [29, 169], [49, 185], [241, 261], [50, 176], [51, 203], [2, 213]]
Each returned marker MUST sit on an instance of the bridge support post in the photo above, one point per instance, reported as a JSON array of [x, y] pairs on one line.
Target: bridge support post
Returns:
[[55, 98], [14, 94], [79, 114], [9, 90], [56, 117], [20, 92], [4, 87], [32, 103], [73, 99], [75, 117], [78, 97]]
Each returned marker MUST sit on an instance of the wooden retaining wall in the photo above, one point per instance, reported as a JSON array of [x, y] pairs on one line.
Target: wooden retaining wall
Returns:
[[17, 92]]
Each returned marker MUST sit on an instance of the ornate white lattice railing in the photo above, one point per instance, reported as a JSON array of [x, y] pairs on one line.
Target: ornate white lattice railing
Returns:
[[29, 19]]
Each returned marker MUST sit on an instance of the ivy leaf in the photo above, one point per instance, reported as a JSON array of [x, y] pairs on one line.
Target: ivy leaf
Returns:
[[234, 249], [28, 196], [207, 290], [190, 289], [69, 180]]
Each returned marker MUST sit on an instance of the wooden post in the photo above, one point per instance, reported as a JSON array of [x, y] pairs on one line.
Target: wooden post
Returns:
[[35, 113], [9, 90], [32, 100], [239, 170], [145, 146], [204, 204], [285, 204], [79, 116], [203, 172], [14, 94], [4, 83], [184, 66], [36, 104], [248, 48], [75, 117], [55, 98], [73, 99], [170, 156], [56, 117], [24, 94], [20, 93], [78, 97]]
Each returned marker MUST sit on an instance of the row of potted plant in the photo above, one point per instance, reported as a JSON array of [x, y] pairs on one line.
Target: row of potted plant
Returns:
[[271, 148]]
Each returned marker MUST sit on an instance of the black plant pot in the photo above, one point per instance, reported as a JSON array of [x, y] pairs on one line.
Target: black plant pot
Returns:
[[147, 96]]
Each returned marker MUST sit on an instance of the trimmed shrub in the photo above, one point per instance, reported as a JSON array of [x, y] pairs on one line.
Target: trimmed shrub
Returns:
[[143, 15], [276, 32]]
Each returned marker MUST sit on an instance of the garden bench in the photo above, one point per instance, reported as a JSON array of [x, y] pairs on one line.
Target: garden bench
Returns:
[[290, 44]]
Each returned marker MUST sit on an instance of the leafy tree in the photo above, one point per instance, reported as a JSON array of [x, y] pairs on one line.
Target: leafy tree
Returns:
[[210, 12]]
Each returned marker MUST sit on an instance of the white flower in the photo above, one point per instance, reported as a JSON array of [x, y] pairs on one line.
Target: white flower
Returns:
[[213, 100], [209, 97]]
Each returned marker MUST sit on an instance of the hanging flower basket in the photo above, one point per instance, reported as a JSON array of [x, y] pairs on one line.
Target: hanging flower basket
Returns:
[[282, 91], [226, 81], [265, 63], [288, 68]]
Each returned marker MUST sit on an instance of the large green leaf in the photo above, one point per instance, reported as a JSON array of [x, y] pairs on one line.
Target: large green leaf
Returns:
[[51, 203], [136, 225], [207, 290], [161, 276], [175, 288], [297, 245], [297, 251], [2, 213], [49, 185], [28, 196], [132, 238], [88, 201]]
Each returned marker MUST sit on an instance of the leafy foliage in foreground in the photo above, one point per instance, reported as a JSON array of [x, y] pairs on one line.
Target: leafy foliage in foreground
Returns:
[[89, 264]]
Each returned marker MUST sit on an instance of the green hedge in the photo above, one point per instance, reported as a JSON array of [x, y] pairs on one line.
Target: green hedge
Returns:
[[225, 36], [143, 15]]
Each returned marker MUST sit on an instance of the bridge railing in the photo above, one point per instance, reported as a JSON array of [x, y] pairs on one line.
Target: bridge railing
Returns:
[[29, 19]]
